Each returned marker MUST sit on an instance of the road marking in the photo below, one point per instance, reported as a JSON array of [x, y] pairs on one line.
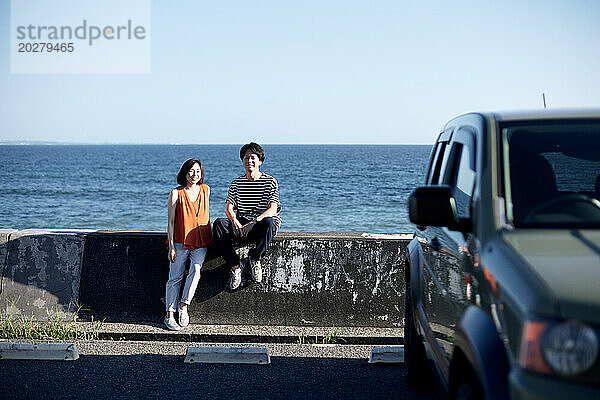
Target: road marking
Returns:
[[227, 355], [387, 355], [38, 351]]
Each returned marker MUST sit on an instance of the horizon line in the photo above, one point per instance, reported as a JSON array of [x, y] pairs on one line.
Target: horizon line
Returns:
[[51, 143]]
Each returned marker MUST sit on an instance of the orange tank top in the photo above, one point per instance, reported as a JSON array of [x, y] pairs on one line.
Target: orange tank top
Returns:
[[192, 225]]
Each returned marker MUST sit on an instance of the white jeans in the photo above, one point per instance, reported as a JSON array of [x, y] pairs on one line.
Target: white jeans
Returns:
[[176, 271]]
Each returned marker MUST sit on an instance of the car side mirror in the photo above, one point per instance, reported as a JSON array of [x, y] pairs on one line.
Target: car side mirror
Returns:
[[436, 206]]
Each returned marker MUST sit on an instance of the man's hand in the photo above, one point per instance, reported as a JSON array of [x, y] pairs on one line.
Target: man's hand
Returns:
[[237, 227], [247, 228]]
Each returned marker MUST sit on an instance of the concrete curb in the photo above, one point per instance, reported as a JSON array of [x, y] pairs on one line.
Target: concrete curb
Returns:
[[39, 351], [387, 355], [227, 355]]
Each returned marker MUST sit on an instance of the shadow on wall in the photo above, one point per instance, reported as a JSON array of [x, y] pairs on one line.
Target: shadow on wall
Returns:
[[125, 274]]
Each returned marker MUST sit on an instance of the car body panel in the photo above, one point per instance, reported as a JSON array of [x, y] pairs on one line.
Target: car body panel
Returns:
[[561, 258], [527, 386], [476, 337]]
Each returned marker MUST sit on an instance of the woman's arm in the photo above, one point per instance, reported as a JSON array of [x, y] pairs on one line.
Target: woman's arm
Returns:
[[171, 206]]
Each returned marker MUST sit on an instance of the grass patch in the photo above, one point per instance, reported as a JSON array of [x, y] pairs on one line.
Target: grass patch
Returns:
[[330, 338], [18, 326]]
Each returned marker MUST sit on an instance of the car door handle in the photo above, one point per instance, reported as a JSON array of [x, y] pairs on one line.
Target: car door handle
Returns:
[[435, 244]]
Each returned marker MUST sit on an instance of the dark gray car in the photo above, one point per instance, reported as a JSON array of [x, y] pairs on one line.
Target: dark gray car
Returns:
[[503, 275]]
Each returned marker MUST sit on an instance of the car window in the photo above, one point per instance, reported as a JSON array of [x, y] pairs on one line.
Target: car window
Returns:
[[437, 164], [460, 170], [466, 176], [554, 174], [432, 158]]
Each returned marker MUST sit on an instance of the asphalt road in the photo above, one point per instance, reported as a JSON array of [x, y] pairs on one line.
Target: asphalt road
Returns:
[[121, 370]]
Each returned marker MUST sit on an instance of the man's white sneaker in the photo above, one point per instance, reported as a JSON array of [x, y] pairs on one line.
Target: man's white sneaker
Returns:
[[172, 324], [235, 278], [256, 270], [184, 318]]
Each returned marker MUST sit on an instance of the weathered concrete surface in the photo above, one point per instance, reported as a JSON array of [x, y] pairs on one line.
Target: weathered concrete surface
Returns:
[[41, 273], [4, 237], [319, 279], [330, 279]]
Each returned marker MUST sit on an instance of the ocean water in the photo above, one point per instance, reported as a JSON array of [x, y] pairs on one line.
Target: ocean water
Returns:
[[323, 188]]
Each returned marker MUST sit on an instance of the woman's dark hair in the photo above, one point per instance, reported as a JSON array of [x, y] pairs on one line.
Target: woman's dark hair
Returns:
[[254, 148], [185, 168]]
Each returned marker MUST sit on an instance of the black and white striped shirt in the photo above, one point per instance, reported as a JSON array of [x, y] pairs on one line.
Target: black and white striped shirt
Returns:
[[252, 198]]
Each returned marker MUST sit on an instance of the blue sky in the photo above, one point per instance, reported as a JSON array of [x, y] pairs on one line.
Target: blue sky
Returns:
[[315, 72]]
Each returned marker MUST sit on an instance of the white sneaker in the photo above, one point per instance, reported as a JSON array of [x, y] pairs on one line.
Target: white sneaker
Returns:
[[172, 324], [184, 318], [235, 278], [256, 270]]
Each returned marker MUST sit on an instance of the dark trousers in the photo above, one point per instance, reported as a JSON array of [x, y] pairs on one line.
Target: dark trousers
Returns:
[[261, 234]]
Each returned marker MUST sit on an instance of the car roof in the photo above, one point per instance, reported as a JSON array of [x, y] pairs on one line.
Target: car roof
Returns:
[[540, 114], [521, 115]]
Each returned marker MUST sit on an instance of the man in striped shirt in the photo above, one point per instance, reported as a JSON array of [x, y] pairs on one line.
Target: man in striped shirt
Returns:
[[252, 210]]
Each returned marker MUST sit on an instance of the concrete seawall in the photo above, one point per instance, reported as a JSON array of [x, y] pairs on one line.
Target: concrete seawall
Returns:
[[320, 279]]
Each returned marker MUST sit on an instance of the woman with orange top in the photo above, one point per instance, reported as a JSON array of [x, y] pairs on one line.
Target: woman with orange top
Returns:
[[189, 234]]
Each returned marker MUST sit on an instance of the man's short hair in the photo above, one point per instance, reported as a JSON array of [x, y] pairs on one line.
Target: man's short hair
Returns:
[[254, 148]]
